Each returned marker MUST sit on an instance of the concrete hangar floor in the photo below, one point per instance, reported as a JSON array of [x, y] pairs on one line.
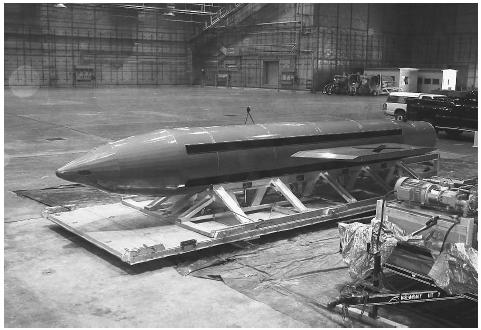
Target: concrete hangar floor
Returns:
[[53, 279]]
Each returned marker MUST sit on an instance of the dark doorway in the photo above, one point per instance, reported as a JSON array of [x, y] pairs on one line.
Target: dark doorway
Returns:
[[271, 73]]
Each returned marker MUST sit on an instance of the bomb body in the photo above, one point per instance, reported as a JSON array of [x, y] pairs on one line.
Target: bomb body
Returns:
[[173, 161]]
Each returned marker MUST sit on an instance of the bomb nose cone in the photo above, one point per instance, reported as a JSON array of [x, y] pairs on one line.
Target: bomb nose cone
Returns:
[[97, 166], [71, 173], [64, 173]]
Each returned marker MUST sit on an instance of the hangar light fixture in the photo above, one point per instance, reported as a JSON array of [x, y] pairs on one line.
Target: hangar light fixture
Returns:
[[60, 5]]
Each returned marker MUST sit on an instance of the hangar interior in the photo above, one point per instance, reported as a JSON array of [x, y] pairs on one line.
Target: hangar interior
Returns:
[[259, 42], [78, 76]]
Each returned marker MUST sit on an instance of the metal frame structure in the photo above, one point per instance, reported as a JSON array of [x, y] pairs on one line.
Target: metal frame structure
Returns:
[[141, 230], [373, 296], [427, 280], [372, 292]]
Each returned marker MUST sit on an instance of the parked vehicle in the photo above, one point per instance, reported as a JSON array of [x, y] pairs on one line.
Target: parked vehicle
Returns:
[[451, 114], [466, 95], [339, 85], [353, 84], [396, 103]]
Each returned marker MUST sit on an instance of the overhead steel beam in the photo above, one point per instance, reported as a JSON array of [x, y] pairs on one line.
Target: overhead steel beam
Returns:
[[174, 10]]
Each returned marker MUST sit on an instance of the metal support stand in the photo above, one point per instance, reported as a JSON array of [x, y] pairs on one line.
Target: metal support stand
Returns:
[[248, 115], [199, 206], [376, 281], [140, 229]]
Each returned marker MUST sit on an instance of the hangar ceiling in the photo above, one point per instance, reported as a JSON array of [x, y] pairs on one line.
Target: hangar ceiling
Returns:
[[192, 12]]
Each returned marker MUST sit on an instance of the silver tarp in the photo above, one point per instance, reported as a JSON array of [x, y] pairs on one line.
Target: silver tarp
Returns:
[[358, 244], [456, 269]]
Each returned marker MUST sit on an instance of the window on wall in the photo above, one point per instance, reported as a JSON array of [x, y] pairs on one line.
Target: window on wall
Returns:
[[427, 81], [420, 81], [435, 81]]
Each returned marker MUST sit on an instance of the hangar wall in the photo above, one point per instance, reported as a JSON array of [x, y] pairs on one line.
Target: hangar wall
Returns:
[[316, 41], [313, 41], [448, 40], [290, 46], [85, 45], [351, 37], [257, 35]]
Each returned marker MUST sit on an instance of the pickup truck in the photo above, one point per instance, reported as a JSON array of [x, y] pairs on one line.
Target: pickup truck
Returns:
[[396, 103], [453, 114]]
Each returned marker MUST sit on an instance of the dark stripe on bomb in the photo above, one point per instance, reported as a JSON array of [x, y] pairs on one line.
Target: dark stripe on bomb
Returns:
[[285, 141]]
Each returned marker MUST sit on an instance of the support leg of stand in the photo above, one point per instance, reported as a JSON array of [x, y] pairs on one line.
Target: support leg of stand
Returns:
[[407, 170], [260, 192], [340, 189], [231, 204], [376, 178], [194, 209], [287, 193], [155, 204]]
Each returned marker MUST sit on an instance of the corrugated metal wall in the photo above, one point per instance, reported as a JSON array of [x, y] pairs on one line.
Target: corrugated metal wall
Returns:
[[352, 37], [315, 41], [84, 45], [320, 40], [88, 45], [241, 47], [446, 36]]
